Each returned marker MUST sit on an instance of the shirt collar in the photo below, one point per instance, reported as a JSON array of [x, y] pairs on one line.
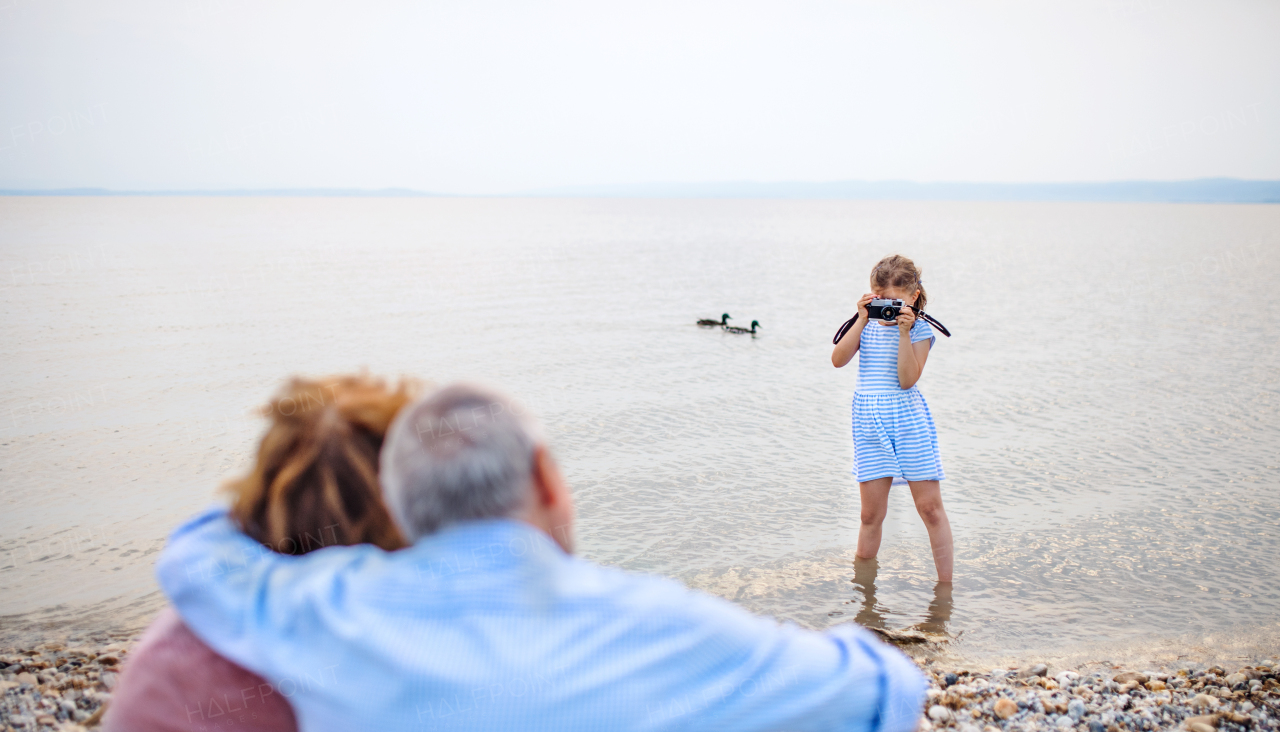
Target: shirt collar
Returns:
[[485, 544]]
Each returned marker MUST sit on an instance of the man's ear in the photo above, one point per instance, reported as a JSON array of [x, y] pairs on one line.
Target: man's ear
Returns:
[[553, 509], [548, 485]]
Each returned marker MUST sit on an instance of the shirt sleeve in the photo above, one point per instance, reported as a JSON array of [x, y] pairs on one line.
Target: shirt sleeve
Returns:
[[754, 673], [921, 330], [238, 596]]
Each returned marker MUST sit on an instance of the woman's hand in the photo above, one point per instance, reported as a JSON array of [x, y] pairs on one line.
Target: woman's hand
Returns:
[[906, 318], [862, 305]]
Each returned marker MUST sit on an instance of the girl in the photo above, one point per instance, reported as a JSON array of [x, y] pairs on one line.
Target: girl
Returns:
[[894, 440]]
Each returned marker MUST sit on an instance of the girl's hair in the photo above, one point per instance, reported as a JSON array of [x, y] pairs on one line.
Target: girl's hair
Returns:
[[315, 481], [899, 272]]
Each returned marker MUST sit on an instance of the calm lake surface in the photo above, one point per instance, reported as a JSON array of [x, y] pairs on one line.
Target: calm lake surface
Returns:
[[1107, 407]]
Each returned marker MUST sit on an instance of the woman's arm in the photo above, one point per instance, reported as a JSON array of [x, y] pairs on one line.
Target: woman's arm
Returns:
[[911, 356], [844, 350]]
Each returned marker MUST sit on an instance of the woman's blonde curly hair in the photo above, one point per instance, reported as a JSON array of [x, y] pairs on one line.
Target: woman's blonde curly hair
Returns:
[[315, 480]]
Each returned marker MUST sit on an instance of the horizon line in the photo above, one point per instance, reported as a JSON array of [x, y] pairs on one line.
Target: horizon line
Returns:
[[1197, 190]]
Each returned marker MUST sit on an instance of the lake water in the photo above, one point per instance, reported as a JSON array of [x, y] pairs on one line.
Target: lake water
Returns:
[[1107, 407]]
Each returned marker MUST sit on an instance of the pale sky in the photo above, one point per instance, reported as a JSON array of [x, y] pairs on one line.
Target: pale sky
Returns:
[[491, 97]]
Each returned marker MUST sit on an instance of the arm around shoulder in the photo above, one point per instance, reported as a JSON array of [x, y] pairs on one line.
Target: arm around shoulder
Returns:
[[215, 578]]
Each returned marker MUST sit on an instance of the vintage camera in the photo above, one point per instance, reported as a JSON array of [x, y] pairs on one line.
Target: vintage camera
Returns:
[[886, 310]]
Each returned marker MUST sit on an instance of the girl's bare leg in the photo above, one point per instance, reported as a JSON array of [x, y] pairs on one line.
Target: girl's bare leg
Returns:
[[875, 504], [928, 498]]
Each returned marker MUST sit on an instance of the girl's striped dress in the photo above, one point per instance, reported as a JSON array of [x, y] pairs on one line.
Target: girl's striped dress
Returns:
[[893, 432]]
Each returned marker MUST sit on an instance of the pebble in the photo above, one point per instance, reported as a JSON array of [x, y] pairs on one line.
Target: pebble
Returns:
[[1038, 669], [939, 713], [1075, 709], [1129, 677], [1005, 708], [1204, 700]]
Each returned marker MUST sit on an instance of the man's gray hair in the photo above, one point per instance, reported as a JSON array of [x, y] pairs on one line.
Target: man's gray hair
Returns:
[[458, 454]]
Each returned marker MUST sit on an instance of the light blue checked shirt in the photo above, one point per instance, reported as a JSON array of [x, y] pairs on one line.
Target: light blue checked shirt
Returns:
[[489, 625]]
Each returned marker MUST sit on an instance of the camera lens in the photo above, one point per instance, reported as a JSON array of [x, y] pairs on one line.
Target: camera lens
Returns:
[[889, 313]]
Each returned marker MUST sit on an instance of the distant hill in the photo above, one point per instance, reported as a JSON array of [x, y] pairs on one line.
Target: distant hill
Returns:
[[1205, 190]]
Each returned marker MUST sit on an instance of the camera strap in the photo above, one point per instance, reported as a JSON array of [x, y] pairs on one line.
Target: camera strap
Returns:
[[919, 314], [929, 319]]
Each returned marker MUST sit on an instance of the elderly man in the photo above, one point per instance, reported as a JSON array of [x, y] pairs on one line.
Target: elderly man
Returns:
[[488, 622]]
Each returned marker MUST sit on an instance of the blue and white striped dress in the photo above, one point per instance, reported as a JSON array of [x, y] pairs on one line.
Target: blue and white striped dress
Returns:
[[893, 432]]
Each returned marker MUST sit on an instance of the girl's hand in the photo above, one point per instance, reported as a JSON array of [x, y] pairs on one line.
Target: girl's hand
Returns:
[[862, 306], [906, 318]]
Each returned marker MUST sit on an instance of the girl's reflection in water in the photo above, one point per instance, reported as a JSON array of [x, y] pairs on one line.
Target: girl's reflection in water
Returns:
[[872, 614], [864, 580]]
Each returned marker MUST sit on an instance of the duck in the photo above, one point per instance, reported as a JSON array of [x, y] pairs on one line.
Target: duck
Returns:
[[722, 322], [735, 329]]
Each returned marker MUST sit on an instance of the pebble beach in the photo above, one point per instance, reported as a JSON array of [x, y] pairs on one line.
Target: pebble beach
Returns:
[[60, 685], [67, 686], [1036, 697]]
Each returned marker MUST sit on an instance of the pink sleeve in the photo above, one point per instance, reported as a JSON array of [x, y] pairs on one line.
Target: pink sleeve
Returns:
[[173, 682]]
